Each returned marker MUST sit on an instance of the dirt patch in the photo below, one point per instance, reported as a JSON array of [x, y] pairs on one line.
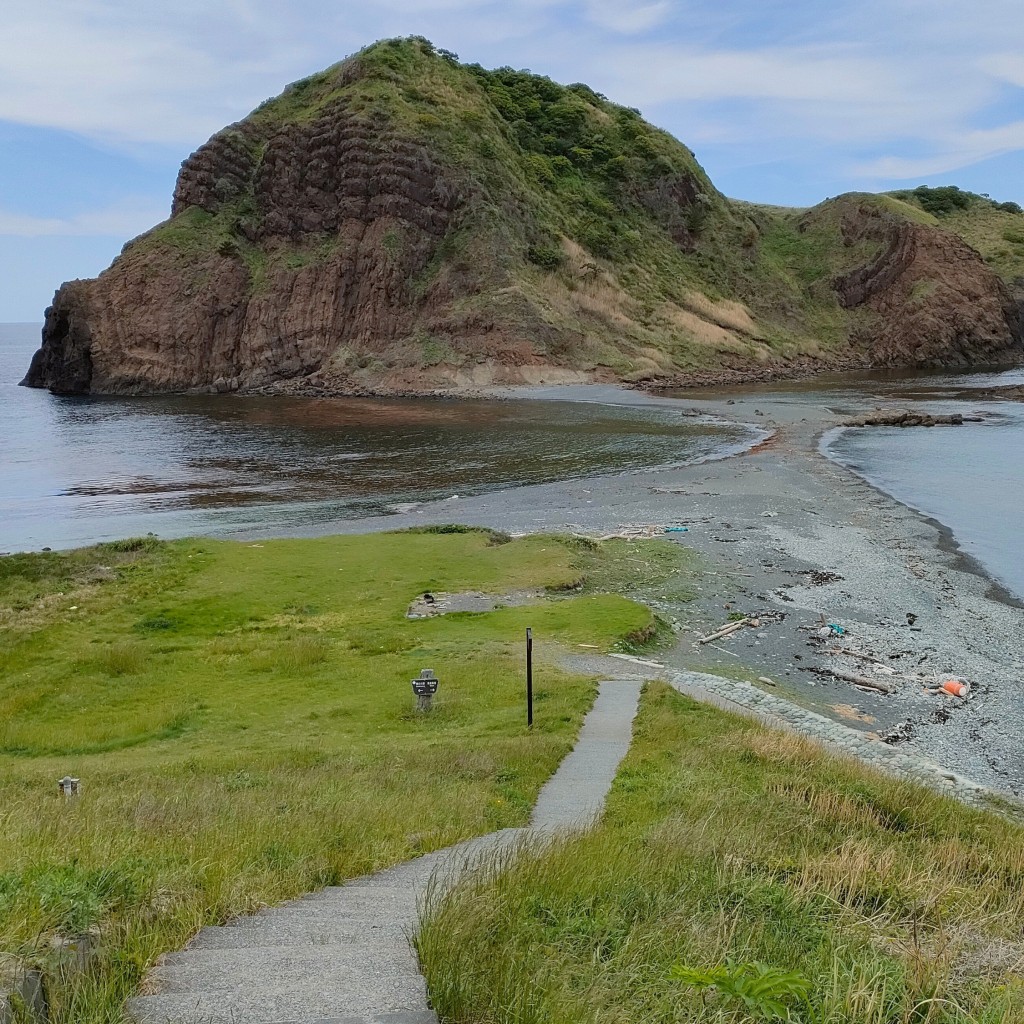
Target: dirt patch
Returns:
[[434, 603], [851, 714]]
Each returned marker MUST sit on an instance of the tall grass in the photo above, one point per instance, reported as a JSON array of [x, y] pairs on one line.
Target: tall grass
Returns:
[[727, 843], [241, 719]]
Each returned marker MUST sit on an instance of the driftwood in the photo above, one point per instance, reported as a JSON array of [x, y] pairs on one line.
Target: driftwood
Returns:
[[856, 654], [724, 631], [866, 681]]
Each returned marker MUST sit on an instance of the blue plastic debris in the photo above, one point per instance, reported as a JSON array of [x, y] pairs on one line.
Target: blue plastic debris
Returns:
[[677, 529]]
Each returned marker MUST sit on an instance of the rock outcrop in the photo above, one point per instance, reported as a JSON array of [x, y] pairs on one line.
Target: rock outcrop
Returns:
[[405, 223], [935, 302]]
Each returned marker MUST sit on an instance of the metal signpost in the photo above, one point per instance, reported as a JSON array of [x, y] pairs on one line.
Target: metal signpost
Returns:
[[529, 678]]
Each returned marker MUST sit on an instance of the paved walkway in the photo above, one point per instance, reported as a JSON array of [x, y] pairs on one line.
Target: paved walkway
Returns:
[[342, 955]]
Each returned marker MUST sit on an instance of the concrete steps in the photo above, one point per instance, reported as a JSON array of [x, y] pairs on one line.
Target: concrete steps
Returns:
[[342, 955]]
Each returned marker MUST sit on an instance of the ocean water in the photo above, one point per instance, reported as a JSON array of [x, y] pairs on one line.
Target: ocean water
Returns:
[[970, 478], [75, 471]]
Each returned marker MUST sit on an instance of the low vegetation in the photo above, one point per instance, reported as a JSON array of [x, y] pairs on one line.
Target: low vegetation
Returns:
[[242, 721], [742, 875]]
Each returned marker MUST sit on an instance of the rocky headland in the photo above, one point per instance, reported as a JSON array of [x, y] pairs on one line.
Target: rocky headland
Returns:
[[404, 223]]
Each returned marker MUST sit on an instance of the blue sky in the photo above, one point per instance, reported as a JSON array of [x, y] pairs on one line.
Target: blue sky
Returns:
[[783, 102]]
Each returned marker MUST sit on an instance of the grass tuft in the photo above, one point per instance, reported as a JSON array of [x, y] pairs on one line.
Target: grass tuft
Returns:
[[739, 875], [242, 721]]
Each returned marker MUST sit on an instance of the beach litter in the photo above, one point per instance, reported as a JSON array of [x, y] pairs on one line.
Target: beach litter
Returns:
[[830, 630], [677, 529], [955, 685]]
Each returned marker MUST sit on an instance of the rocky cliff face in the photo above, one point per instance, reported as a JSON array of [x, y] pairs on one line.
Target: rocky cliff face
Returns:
[[935, 302], [401, 222], [165, 320]]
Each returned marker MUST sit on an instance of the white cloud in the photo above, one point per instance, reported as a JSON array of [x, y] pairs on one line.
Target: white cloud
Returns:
[[1006, 66], [124, 219], [628, 18], [865, 77], [970, 148]]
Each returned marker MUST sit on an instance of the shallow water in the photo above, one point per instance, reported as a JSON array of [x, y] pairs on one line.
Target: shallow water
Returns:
[[78, 470], [74, 471], [970, 478]]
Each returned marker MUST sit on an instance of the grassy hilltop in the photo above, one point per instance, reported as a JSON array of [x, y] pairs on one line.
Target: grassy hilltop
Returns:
[[995, 229], [402, 221], [242, 720], [583, 213]]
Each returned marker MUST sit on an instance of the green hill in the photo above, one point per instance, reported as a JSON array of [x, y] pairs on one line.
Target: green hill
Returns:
[[402, 221]]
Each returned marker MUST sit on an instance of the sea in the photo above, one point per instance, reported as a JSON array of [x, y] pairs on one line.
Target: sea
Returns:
[[80, 470], [76, 471], [969, 478]]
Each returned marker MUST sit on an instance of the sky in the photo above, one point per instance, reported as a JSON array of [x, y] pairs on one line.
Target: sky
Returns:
[[782, 102]]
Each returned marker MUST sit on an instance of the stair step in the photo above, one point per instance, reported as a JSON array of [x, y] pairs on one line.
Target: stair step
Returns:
[[305, 988], [212, 1009], [348, 899], [299, 933], [368, 951], [391, 966]]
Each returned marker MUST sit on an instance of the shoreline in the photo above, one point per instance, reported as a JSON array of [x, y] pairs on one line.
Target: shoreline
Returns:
[[790, 535], [786, 532], [947, 540]]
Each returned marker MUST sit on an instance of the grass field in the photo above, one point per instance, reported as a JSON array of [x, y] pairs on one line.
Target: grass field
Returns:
[[743, 875], [242, 721]]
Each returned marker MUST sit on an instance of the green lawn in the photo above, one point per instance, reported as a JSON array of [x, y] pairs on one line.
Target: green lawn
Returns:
[[242, 721], [734, 854]]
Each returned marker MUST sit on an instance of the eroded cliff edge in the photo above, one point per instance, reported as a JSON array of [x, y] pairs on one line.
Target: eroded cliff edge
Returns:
[[402, 222]]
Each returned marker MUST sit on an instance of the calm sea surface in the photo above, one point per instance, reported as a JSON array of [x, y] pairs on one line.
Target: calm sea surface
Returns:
[[970, 478], [75, 471], [79, 470]]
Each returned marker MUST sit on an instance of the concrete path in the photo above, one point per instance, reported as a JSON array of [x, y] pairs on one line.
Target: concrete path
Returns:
[[342, 955]]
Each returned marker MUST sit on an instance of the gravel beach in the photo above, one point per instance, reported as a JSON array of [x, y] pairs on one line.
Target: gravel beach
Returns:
[[794, 540]]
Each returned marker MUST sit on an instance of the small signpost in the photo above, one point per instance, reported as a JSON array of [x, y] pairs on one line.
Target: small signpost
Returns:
[[529, 678], [68, 786], [424, 686]]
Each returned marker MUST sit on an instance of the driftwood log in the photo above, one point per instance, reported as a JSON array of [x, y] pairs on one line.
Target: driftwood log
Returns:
[[724, 631]]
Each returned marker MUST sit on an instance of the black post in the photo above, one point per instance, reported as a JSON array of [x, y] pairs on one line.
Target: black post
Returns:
[[529, 678]]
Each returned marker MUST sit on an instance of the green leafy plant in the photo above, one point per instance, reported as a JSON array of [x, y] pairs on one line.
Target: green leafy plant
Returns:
[[545, 256], [766, 992]]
